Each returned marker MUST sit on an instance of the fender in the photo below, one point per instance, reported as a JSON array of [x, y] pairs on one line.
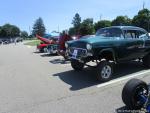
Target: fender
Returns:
[[109, 50]]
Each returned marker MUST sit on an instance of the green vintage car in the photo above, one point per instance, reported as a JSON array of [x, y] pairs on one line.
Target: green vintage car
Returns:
[[110, 45]]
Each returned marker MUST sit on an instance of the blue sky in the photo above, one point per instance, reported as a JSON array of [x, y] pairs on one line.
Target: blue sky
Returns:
[[54, 13]]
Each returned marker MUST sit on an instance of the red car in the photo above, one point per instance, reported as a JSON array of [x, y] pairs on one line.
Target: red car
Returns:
[[45, 42]]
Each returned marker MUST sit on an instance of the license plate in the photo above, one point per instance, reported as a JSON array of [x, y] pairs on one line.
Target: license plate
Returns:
[[75, 53]]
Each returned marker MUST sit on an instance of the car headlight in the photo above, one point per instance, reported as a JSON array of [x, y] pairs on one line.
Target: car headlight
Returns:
[[88, 46], [66, 45]]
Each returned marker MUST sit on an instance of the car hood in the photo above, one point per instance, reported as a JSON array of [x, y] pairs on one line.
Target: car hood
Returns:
[[96, 39]]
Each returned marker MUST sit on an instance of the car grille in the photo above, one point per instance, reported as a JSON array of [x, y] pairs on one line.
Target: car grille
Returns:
[[80, 52]]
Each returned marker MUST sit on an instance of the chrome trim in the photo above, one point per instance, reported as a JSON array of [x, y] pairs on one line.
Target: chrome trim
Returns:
[[79, 57], [74, 48]]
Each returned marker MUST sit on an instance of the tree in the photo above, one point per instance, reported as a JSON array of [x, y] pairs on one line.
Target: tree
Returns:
[[102, 24], [142, 19], [121, 20], [8, 30], [24, 34], [72, 31], [76, 23], [87, 27], [15, 31], [38, 27]]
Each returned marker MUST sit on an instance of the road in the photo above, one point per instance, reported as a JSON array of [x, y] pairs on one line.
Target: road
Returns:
[[32, 82]]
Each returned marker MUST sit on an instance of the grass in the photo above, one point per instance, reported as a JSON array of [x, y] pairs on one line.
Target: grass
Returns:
[[33, 42]]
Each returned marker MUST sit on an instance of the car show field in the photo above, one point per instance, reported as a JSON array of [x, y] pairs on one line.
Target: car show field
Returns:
[[40, 83]]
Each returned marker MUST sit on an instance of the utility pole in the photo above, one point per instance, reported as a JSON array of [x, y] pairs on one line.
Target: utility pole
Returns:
[[143, 5], [29, 31], [100, 17]]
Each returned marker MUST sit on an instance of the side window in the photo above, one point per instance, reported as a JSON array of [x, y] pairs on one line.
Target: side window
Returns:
[[109, 32], [132, 34], [142, 34]]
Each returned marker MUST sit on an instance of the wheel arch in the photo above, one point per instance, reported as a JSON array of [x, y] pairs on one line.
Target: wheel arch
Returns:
[[108, 54]]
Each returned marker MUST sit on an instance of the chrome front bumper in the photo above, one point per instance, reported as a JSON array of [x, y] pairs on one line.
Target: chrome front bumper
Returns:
[[77, 53]]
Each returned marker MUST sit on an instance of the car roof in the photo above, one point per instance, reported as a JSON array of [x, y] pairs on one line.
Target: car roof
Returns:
[[127, 28]]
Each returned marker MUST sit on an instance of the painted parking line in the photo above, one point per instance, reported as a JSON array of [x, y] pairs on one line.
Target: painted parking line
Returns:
[[123, 78]]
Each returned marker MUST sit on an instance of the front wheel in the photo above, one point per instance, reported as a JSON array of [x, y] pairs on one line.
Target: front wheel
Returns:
[[76, 65], [104, 71], [132, 92]]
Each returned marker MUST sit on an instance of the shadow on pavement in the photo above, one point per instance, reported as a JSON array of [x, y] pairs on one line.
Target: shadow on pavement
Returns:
[[86, 78], [124, 109], [78, 79], [37, 52], [128, 68], [48, 55], [59, 61]]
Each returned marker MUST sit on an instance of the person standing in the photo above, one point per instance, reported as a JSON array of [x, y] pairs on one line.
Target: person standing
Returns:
[[15, 41]]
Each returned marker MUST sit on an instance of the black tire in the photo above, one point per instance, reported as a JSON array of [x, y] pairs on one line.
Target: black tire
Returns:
[[65, 57], [41, 50], [130, 93], [76, 65], [45, 50], [104, 76], [146, 61]]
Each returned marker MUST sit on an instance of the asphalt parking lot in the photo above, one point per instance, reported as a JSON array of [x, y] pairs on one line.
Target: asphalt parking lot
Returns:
[[33, 82]]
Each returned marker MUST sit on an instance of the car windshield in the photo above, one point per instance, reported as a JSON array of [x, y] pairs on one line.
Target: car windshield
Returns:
[[109, 32]]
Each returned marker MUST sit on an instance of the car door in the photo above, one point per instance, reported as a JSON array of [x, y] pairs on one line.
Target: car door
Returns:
[[143, 35], [133, 45]]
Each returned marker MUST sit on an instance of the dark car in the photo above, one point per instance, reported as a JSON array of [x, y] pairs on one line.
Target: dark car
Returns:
[[52, 49], [1, 42], [110, 46]]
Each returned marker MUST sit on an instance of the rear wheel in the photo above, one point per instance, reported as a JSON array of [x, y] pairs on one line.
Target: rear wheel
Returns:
[[104, 71], [76, 65], [45, 49], [41, 50], [132, 91]]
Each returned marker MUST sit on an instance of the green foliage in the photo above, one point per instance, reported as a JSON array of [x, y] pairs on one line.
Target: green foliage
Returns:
[[33, 43], [31, 37], [38, 27], [102, 24], [121, 20], [142, 19], [87, 27], [8, 30], [24, 34], [72, 31], [76, 23]]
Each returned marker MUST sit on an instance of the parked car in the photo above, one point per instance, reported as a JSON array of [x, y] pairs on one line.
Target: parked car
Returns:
[[110, 46], [42, 47], [6, 42], [1, 42], [19, 39], [52, 49]]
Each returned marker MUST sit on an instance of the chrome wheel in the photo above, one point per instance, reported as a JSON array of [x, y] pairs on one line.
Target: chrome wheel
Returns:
[[106, 72], [45, 50]]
